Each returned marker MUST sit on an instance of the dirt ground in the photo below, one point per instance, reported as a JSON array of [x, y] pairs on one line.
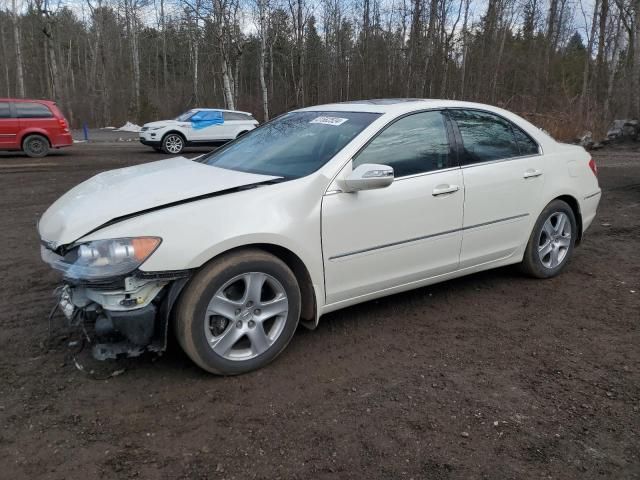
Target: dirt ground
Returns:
[[493, 376]]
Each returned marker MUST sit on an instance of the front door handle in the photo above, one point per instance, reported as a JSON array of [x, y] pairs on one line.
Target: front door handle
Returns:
[[444, 189], [532, 173]]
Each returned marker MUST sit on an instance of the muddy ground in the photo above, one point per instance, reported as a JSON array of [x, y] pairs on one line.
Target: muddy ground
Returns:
[[491, 376]]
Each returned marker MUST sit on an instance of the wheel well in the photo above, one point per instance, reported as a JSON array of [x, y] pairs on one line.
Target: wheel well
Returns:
[[575, 206], [176, 132], [297, 266], [31, 134]]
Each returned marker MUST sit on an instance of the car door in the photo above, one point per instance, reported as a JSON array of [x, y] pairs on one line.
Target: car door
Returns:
[[9, 127], [503, 179], [234, 123], [411, 230], [207, 126]]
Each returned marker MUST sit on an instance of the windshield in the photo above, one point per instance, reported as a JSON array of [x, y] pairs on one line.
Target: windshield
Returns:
[[183, 117], [293, 145]]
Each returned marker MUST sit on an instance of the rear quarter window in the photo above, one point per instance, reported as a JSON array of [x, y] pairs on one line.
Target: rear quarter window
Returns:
[[5, 110], [228, 116], [32, 110], [526, 145]]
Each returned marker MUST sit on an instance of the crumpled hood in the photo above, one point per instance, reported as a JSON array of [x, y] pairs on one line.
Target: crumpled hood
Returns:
[[125, 191]]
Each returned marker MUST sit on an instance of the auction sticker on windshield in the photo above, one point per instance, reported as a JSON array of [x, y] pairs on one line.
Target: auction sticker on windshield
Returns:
[[329, 120]]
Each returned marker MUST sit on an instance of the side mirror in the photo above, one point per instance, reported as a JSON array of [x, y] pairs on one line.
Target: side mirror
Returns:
[[367, 176]]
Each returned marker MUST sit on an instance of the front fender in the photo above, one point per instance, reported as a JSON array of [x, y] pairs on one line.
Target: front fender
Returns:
[[285, 215]]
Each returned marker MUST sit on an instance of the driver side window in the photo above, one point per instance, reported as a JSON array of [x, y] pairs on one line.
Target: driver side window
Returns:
[[414, 144]]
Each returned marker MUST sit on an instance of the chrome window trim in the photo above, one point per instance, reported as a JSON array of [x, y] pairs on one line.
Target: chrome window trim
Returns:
[[499, 160], [425, 237], [422, 174]]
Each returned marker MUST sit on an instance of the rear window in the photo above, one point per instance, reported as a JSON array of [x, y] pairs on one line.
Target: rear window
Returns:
[[5, 111], [32, 110]]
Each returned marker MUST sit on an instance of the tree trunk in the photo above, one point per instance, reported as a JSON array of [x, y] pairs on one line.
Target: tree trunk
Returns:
[[196, 52], [636, 60], [236, 80], [5, 63], [263, 83], [226, 85], [18, 46], [612, 72], [165, 70], [584, 97]]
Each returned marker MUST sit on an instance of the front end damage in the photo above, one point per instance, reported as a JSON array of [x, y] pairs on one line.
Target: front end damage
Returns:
[[123, 316]]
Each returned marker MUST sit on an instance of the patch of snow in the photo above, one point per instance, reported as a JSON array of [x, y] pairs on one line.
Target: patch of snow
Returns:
[[108, 128], [129, 127], [79, 141]]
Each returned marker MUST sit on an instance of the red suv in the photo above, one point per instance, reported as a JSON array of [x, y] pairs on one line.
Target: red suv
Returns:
[[33, 126]]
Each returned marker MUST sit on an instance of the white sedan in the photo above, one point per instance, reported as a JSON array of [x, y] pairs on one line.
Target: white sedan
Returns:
[[198, 127], [319, 209]]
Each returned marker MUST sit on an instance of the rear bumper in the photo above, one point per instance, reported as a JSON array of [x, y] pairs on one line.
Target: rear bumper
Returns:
[[589, 208], [62, 140]]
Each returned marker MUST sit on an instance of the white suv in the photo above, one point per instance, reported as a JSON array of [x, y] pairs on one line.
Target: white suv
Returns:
[[197, 127]]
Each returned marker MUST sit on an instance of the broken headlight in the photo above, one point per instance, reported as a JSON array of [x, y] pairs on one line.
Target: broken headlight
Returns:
[[101, 259]]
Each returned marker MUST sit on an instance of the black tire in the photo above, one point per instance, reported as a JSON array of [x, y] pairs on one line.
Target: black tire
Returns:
[[35, 146], [173, 143], [532, 263], [191, 318]]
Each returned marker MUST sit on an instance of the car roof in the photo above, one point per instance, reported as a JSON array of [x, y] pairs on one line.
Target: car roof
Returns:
[[50, 102], [395, 107], [398, 105], [220, 110]]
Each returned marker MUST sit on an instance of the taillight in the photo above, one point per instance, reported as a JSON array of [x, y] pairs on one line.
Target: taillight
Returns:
[[63, 124], [593, 166]]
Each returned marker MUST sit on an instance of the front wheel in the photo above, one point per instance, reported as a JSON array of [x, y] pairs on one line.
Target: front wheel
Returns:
[[172, 143], [552, 241], [35, 146], [238, 313]]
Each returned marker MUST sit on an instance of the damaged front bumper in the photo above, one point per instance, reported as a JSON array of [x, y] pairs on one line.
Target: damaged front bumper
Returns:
[[127, 316]]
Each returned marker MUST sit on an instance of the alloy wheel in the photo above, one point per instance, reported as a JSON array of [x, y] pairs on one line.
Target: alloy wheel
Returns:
[[246, 316], [554, 240], [173, 144]]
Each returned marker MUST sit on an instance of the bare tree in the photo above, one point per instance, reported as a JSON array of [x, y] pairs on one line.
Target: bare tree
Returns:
[[17, 41], [262, 12]]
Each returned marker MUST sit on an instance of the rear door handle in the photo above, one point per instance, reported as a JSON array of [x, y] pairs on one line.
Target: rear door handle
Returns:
[[444, 189], [532, 173]]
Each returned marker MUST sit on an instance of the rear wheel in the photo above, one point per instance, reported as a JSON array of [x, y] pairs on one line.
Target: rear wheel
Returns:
[[238, 313], [35, 146], [172, 143], [552, 241]]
